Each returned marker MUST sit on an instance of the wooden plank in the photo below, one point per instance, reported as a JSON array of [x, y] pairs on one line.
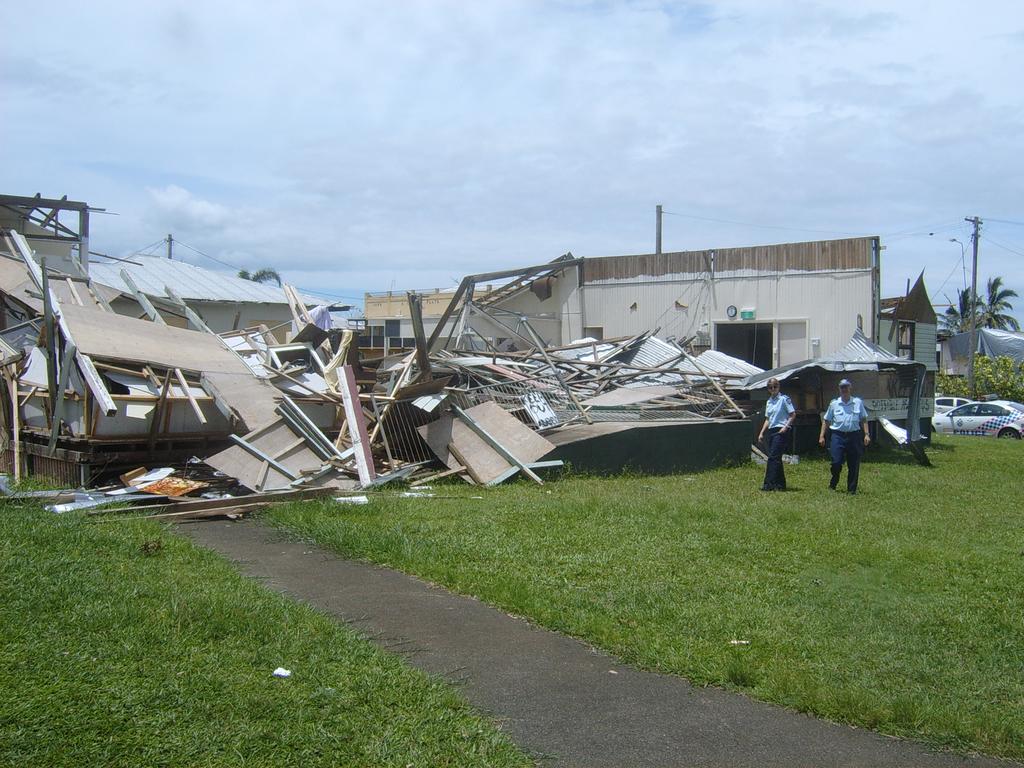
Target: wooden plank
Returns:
[[57, 412], [142, 298], [158, 410], [356, 424], [192, 506], [188, 393], [192, 316], [16, 426], [51, 333], [422, 351], [74, 291], [437, 476]]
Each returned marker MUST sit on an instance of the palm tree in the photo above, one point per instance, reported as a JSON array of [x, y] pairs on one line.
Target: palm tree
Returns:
[[992, 313], [957, 318], [266, 275]]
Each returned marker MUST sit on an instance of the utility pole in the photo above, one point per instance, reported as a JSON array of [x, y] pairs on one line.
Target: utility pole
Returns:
[[973, 343], [657, 233], [170, 246]]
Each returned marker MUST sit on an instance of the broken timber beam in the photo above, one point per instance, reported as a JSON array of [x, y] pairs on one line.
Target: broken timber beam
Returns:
[[422, 351], [192, 316], [57, 409], [142, 298]]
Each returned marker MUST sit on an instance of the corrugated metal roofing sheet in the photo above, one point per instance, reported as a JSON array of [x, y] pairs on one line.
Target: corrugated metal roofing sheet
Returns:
[[189, 281], [859, 354], [717, 362]]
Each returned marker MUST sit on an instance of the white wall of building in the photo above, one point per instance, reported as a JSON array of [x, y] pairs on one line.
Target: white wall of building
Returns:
[[830, 304]]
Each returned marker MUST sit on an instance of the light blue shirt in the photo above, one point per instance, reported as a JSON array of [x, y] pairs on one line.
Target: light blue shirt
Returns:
[[777, 410], [846, 417]]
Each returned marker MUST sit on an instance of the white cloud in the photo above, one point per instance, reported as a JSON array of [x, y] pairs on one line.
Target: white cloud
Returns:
[[365, 144], [180, 208]]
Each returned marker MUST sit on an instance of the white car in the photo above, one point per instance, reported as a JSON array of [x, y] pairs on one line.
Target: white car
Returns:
[[946, 403], [997, 418]]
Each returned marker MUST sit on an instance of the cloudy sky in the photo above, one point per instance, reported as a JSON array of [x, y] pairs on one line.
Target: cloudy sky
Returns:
[[367, 146]]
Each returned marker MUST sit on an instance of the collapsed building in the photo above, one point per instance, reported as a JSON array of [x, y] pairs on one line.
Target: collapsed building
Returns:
[[104, 377], [90, 393]]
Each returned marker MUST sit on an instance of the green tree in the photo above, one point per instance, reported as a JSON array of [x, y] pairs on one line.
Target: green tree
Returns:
[[992, 309], [992, 313], [957, 318], [267, 274]]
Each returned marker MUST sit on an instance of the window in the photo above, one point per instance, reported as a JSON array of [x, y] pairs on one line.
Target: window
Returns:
[[944, 401], [905, 339], [392, 327], [991, 409], [593, 332], [965, 410]]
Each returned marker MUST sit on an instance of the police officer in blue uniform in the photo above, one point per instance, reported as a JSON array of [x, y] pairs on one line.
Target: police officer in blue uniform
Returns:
[[779, 414], [847, 421]]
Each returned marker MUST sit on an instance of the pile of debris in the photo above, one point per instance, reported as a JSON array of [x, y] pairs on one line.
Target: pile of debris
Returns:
[[90, 393]]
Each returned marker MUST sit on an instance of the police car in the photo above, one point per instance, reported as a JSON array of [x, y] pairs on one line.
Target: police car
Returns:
[[997, 418], [946, 403]]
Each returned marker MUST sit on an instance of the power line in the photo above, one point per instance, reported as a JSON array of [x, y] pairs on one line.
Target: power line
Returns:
[[959, 261], [1004, 247], [142, 251], [331, 295], [211, 258], [1007, 221]]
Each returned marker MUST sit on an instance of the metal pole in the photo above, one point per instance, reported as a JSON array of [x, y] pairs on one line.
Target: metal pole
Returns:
[[657, 233], [170, 246], [973, 343]]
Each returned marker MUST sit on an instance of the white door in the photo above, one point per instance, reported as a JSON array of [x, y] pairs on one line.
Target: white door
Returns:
[[792, 342]]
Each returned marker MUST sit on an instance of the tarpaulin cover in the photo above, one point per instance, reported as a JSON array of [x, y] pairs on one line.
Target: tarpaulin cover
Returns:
[[991, 343]]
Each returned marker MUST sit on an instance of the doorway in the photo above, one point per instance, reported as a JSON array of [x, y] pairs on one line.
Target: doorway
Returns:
[[747, 341]]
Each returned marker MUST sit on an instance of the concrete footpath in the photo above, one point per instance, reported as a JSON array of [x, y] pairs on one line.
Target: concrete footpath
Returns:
[[560, 700]]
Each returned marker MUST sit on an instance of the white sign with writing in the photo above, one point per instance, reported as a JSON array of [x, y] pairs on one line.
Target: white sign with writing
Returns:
[[896, 407], [539, 410]]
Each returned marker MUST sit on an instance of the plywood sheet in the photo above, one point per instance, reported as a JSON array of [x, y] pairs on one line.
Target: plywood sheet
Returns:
[[108, 336], [275, 440], [254, 400], [486, 463]]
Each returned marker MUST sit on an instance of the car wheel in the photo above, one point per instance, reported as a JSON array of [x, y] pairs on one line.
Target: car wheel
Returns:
[[1009, 433]]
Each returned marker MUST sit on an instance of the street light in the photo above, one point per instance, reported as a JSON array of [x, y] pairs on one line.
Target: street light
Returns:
[[963, 259]]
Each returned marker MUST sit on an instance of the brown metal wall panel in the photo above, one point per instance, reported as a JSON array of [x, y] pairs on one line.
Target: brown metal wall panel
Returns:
[[821, 255]]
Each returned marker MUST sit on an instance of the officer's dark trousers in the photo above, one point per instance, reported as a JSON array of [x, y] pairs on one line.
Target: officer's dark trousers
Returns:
[[774, 476], [848, 446]]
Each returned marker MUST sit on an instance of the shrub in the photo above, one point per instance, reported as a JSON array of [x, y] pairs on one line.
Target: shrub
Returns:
[[1001, 376]]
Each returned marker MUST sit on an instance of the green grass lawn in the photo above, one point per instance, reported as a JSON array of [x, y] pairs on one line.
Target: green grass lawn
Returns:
[[899, 609], [123, 645]]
